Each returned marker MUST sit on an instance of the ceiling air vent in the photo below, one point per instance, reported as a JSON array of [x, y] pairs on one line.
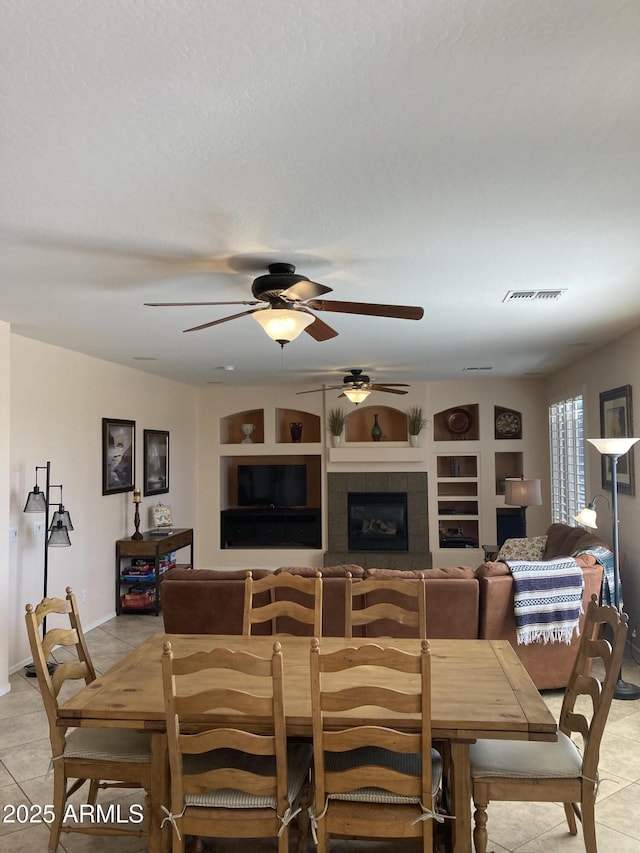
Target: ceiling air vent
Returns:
[[533, 295]]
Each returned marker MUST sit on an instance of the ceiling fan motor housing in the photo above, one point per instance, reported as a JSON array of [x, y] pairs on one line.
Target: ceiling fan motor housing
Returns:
[[280, 277]]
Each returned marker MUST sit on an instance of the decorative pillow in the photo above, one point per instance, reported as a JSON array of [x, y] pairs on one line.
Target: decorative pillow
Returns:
[[531, 549]]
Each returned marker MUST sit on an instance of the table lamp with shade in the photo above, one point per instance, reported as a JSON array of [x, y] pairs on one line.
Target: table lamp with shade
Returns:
[[613, 448], [523, 493]]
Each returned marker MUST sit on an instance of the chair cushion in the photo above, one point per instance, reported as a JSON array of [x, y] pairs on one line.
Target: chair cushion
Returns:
[[408, 763], [526, 759], [298, 762], [108, 745]]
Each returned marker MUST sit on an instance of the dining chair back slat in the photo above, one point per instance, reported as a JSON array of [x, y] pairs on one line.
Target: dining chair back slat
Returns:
[[386, 607], [282, 587]]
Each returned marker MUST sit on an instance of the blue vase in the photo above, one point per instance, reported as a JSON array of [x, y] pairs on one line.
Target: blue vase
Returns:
[[376, 429]]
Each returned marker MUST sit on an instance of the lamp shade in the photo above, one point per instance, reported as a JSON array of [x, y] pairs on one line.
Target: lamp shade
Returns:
[[61, 515], [283, 324], [59, 536], [588, 518], [36, 501], [356, 395], [613, 446], [522, 492]]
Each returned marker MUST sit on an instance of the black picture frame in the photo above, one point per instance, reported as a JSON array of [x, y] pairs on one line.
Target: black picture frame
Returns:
[[616, 421], [118, 455], [156, 461]]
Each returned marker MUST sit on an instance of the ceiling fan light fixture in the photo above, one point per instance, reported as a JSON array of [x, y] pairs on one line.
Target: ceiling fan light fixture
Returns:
[[283, 324], [356, 395]]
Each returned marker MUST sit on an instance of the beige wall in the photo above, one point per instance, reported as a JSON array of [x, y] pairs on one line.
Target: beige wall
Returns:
[[58, 399], [610, 367]]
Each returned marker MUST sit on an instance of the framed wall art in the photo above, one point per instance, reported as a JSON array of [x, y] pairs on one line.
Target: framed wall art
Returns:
[[118, 455], [616, 421], [156, 461]]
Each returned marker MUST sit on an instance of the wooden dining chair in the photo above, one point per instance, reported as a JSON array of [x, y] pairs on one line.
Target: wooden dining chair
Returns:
[[558, 772], [372, 781], [120, 756], [389, 607], [228, 782], [285, 591]]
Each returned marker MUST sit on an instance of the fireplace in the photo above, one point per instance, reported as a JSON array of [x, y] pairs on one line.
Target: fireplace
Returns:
[[377, 521], [373, 551]]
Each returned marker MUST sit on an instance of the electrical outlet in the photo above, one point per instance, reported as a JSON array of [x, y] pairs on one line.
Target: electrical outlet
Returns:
[[84, 595], [13, 534], [39, 528]]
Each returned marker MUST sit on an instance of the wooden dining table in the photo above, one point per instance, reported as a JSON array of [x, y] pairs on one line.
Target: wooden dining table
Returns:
[[479, 689]]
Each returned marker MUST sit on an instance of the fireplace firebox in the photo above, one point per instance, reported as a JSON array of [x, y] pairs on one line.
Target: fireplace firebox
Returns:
[[378, 521]]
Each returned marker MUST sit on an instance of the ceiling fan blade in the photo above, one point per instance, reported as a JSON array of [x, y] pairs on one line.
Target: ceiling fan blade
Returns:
[[400, 312], [380, 385], [303, 290], [386, 389], [326, 388], [319, 330], [222, 320], [188, 304]]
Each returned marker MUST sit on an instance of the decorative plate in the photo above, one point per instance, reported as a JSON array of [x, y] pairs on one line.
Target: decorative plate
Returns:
[[458, 422], [508, 424]]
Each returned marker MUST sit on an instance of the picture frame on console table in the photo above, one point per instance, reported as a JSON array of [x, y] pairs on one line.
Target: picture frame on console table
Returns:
[[616, 421], [118, 455], [156, 461]]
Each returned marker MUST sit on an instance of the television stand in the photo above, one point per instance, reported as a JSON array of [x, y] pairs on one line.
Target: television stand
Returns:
[[271, 527]]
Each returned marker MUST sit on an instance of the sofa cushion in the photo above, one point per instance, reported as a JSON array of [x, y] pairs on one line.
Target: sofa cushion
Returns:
[[449, 573], [327, 571], [530, 548], [492, 569]]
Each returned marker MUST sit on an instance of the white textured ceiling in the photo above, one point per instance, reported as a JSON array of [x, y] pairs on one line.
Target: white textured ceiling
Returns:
[[425, 152]]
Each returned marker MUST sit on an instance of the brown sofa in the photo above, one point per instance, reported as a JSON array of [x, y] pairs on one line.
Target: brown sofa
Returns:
[[549, 665], [460, 603], [204, 601]]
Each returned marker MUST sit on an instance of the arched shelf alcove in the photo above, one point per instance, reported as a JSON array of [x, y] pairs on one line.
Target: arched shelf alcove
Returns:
[[360, 420], [458, 423], [231, 427]]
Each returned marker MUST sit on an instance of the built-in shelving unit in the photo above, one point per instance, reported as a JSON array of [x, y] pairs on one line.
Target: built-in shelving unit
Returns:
[[281, 437], [457, 501]]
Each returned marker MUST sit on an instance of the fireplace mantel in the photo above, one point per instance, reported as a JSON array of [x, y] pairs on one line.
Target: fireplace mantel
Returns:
[[372, 452]]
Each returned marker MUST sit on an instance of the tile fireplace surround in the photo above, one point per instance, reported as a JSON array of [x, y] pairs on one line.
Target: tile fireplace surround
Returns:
[[414, 484]]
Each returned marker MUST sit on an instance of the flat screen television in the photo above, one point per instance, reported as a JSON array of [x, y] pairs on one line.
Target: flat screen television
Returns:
[[272, 485]]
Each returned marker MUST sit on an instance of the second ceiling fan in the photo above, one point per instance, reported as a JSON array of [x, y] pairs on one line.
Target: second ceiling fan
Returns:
[[356, 387], [286, 301]]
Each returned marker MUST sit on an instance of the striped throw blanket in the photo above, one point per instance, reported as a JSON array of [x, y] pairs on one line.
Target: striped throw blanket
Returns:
[[604, 556], [547, 599]]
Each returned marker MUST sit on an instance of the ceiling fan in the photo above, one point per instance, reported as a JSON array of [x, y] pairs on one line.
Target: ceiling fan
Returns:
[[357, 387], [286, 301]]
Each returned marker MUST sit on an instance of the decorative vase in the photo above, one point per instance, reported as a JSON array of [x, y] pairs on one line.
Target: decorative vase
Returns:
[[413, 440], [247, 431], [296, 432], [336, 440], [376, 429]]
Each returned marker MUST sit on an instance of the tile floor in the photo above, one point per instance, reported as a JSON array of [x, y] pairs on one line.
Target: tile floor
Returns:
[[513, 827]]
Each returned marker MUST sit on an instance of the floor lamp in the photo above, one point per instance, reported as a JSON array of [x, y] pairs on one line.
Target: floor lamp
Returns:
[[522, 493], [614, 448], [56, 533]]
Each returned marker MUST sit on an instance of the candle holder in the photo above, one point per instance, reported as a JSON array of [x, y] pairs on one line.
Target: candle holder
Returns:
[[136, 515]]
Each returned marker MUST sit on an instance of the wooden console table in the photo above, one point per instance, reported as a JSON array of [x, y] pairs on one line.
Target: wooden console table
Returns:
[[151, 549]]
